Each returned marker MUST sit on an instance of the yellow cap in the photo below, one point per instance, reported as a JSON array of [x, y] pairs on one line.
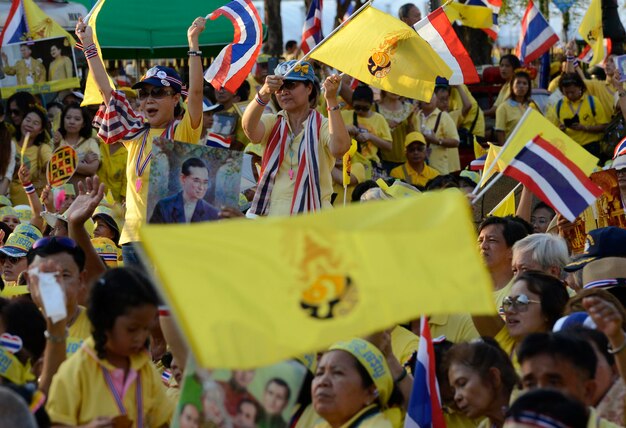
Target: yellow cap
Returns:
[[414, 136]]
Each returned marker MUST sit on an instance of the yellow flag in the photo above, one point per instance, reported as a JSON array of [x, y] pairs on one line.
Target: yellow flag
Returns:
[[478, 149], [533, 123], [41, 26], [505, 207], [384, 52], [488, 170], [347, 163], [92, 93], [310, 280], [590, 30], [470, 16]]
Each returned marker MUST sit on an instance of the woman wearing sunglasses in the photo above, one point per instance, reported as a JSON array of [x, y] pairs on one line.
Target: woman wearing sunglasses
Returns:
[[300, 145], [536, 302]]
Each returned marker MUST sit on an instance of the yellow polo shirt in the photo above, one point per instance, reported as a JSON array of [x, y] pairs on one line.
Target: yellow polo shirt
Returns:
[[403, 343], [79, 392], [443, 159], [137, 187], [282, 192], [375, 124], [597, 88], [509, 113], [78, 332], [406, 173], [112, 171], [582, 106], [378, 420], [455, 327], [501, 294]]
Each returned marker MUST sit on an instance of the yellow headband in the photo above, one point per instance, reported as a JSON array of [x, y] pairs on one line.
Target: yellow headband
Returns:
[[374, 362], [13, 370]]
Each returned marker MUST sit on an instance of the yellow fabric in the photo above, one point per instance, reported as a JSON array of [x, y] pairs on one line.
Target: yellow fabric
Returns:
[[456, 104], [42, 87], [346, 164], [375, 124], [505, 92], [282, 192], [590, 30], [36, 157], [378, 420], [478, 149], [78, 332], [112, 171], [508, 114], [583, 107], [470, 16], [13, 370], [381, 49], [458, 420], [414, 177], [61, 68], [397, 153], [41, 26], [443, 159], [455, 327], [595, 421], [358, 172], [488, 170], [603, 93], [403, 343], [312, 260], [535, 123], [136, 201], [309, 418], [505, 207], [507, 343], [79, 392], [501, 294], [92, 93]]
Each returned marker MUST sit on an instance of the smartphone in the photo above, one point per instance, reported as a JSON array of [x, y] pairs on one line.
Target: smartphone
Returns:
[[569, 122], [272, 63]]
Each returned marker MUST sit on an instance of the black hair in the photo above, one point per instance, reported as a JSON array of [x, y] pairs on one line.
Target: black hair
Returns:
[[512, 59], [560, 345], [598, 72], [290, 44], [523, 75], [5, 147], [543, 205], [551, 291], [85, 130], [41, 138], [447, 181], [404, 10], [598, 338], [512, 230], [361, 188], [526, 225], [116, 292], [552, 404], [243, 91], [481, 356], [280, 382], [259, 410], [21, 317], [23, 102], [54, 247], [571, 79], [440, 88], [192, 163], [363, 93]]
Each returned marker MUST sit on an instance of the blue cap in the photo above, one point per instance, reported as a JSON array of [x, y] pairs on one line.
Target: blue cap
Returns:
[[209, 106], [442, 81], [302, 72], [572, 320], [161, 76], [600, 243]]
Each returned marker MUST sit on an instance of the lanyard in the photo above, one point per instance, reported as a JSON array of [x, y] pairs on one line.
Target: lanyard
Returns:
[[141, 165], [118, 399], [575, 113]]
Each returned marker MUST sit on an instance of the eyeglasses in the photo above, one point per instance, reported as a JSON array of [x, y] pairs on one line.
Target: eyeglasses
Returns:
[[289, 85], [361, 108], [63, 241], [416, 148], [155, 93], [10, 259], [519, 303]]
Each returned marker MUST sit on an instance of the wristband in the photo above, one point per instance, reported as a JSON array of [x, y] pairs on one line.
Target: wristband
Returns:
[[570, 58], [258, 99], [194, 53], [619, 349], [90, 51], [335, 108], [29, 188], [401, 377], [55, 339]]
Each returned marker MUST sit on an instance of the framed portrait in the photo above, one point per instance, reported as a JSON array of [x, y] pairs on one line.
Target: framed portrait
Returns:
[[224, 123]]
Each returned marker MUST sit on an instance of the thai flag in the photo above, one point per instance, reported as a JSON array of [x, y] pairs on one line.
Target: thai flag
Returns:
[[217, 140], [537, 36], [478, 164], [586, 55], [235, 61], [495, 6], [620, 149], [16, 25], [553, 178], [312, 28], [166, 376], [438, 32], [425, 405]]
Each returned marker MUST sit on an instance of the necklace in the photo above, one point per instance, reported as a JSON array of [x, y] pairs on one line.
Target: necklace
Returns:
[[292, 153]]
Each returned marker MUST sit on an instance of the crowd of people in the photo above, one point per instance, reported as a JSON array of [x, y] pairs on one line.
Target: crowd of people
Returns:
[[554, 355]]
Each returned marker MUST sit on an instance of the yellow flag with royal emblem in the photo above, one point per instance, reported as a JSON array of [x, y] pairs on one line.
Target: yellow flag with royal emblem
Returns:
[[384, 52], [41, 26], [590, 30], [469, 16], [311, 280]]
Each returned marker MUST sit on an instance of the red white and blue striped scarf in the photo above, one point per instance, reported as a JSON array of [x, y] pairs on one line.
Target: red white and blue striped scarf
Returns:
[[306, 195]]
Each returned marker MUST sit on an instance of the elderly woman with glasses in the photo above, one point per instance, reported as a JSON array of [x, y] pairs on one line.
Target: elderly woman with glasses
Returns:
[[536, 302], [300, 145]]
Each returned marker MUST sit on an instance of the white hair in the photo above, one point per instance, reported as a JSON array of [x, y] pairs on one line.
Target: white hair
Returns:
[[547, 250]]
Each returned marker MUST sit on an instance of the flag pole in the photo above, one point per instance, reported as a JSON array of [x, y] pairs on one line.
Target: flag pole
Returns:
[[487, 187], [86, 18], [505, 198], [356, 12], [499, 155]]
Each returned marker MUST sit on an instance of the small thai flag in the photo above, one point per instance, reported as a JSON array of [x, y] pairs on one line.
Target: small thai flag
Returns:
[[11, 343], [16, 25], [620, 149], [217, 140], [166, 376], [312, 29], [478, 164]]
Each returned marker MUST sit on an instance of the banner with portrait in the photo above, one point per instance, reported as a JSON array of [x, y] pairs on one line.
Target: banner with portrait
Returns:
[[38, 66], [191, 182]]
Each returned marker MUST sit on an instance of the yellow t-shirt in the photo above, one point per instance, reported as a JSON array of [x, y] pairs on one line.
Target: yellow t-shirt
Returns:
[[501, 294], [398, 133], [597, 88], [456, 105], [582, 107], [509, 113], [78, 332], [375, 124], [112, 171], [507, 343], [282, 192], [377, 420], [36, 157], [358, 172], [137, 187], [505, 92], [411, 176], [443, 159], [455, 327], [79, 392], [403, 343]]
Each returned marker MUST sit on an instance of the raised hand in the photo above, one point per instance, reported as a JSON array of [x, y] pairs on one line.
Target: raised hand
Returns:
[[90, 193]]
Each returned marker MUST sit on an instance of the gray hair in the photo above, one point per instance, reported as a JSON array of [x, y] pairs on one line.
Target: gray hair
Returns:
[[545, 249], [14, 411]]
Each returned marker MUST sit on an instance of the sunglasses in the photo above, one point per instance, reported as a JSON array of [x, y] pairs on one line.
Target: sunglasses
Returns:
[[63, 241], [519, 303], [361, 108], [10, 259], [155, 93], [289, 85]]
